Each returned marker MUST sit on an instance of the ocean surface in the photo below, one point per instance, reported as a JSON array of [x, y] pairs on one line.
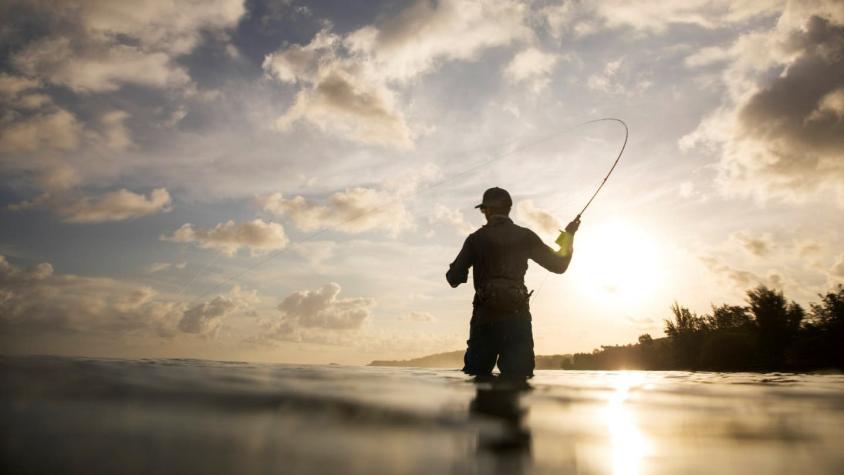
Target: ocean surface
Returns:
[[75, 415]]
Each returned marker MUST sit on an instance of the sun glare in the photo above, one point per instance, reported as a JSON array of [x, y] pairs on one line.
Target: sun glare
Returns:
[[619, 262]]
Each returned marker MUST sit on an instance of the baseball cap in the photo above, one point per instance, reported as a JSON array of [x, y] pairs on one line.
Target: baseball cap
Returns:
[[496, 198]]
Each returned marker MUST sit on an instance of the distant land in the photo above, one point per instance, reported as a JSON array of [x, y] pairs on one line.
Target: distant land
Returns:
[[454, 359]]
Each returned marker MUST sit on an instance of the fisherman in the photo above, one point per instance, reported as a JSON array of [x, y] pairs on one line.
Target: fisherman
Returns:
[[500, 328]]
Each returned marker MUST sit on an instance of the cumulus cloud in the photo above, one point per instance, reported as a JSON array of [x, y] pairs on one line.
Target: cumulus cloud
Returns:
[[531, 66], [206, 318], [347, 83], [322, 308], [317, 316], [227, 238], [782, 136], [537, 218]]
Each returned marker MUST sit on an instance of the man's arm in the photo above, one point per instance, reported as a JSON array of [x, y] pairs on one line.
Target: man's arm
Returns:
[[555, 261], [458, 271]]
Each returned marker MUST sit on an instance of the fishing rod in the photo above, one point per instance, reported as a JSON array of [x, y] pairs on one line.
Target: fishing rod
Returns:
[[236, 276], [566, 238]]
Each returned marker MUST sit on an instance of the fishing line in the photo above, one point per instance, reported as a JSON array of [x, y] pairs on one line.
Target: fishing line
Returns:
[[272, 255]]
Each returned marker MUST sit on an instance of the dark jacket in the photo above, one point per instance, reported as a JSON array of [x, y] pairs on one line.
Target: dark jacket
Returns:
[[501, 249]]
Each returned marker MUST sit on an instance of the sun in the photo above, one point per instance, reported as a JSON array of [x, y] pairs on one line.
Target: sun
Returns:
[[617, 261]]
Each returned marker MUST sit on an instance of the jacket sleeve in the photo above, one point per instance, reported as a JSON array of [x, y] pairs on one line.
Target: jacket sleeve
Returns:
[[458, 271], [547, 257]]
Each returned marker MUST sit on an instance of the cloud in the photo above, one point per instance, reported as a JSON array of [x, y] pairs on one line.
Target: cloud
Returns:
[[742, 279], [706, 56], [538, 218], [49, 143], [655, 16], [206, 318], [346, 84], [612, 81], [99, 67], [120, 205], [38, 301], [354, 210], [451, 217], [353, 109], [604, 81], [65, 63], [315, 252], [322, 308], [781, 136], [55, 129], [531, 66], [258, 236], [97, 46], [317, 316], [758, 246], [426, 33]]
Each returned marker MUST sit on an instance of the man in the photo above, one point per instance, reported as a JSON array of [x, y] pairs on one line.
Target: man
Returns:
[[500, 328]]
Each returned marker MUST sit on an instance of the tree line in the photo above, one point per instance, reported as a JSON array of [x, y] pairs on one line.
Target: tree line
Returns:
[[770, 333]]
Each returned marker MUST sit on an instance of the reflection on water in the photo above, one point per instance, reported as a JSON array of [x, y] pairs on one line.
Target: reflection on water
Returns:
[[629, 445], [507, 447], [62, 415]]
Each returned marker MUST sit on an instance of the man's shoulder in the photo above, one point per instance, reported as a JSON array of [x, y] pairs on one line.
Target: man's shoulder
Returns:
[[509, 228]]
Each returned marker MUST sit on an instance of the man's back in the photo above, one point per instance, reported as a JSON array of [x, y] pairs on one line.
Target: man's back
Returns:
[[500, 250]]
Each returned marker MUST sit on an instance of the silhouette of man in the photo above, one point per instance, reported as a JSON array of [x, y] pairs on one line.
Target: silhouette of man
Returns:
[[498, 252]]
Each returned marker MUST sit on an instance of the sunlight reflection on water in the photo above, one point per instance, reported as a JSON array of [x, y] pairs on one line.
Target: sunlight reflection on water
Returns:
[[629, 445]]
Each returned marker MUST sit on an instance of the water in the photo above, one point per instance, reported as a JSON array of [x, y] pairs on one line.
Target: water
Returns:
[[63, 415]]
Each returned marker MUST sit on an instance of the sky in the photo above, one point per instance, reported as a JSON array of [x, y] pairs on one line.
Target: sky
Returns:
[[288, 181]]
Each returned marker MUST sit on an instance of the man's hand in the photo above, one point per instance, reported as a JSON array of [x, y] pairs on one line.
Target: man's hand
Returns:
[[571, 228]]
